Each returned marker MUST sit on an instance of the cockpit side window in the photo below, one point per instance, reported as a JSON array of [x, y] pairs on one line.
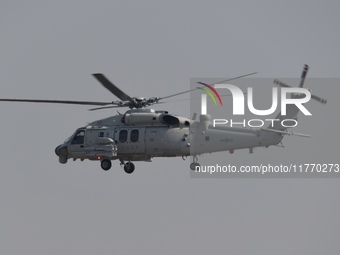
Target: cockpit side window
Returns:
[[79, 137]]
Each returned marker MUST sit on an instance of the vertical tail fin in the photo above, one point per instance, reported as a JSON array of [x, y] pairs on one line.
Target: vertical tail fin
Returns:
[[287, 120]]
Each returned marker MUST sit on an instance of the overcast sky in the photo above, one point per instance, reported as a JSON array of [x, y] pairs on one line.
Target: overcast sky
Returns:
[[49, 49]]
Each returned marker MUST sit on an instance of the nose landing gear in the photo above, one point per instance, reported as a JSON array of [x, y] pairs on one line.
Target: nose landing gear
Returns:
[[105, 164]]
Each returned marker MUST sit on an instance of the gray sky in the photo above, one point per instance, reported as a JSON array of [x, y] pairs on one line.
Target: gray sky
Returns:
[[49, 49]]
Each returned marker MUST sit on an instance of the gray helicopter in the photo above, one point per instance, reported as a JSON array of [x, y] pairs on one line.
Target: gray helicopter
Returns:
[[142, 133]]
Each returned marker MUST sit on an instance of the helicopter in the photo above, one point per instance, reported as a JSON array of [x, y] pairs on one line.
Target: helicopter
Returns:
[[142, 133]]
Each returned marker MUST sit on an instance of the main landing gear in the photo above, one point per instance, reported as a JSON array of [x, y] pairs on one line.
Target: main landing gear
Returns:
[[129, 167]]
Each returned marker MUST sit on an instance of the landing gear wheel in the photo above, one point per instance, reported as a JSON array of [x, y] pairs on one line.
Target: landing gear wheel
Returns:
[[129, 167], [194, 165], [105, 164]]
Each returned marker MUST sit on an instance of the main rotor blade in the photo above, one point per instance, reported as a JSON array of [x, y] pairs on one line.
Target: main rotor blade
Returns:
[[238, 77], [112, 88], [187, 91], [303, 75], [177, 94], [186, 99], [106, 107], [56, 101]]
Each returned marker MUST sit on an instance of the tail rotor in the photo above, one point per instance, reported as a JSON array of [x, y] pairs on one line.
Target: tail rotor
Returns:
[[302, 81]]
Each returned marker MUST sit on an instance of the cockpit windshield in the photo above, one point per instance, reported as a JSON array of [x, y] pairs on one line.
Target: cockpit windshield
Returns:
[[78, 135], [68, 139]]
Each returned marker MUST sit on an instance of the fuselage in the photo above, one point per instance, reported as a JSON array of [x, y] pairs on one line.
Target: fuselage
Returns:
[[140, 135]]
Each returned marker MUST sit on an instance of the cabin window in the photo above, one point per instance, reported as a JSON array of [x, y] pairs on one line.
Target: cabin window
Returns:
[[134, 136], [101, 134], [123, 136], [79, 137]]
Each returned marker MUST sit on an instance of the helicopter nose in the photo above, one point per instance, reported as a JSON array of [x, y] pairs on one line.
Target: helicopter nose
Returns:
[[61, 151]]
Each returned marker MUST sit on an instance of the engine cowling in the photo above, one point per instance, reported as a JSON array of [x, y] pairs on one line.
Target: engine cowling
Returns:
[[141, 118], [174, 121]]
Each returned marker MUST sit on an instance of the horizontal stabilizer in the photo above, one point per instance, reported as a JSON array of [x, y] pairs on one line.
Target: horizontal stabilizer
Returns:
[[285, 132]]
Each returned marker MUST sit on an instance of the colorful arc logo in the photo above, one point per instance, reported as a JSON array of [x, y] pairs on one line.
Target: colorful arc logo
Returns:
[[209, 93]]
